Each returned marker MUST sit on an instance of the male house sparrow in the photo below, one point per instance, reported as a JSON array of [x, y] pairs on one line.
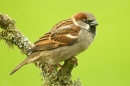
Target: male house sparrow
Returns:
[[65, 40]]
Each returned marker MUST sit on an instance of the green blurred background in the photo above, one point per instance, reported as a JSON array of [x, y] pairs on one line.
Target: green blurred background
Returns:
[[105, 63]]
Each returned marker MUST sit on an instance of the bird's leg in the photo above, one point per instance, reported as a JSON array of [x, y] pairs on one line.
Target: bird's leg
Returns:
[[59, 64], [76, 60]]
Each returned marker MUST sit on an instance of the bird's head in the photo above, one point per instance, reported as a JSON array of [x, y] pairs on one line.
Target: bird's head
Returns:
[[84, 20]]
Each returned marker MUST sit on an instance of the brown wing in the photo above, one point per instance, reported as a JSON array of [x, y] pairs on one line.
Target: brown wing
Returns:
[[64, 36]]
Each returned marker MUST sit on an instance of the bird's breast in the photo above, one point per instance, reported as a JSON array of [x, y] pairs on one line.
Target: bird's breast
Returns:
[[84, 40]]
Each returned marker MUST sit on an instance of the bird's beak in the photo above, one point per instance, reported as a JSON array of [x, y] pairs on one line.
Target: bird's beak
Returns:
[[94, 23]]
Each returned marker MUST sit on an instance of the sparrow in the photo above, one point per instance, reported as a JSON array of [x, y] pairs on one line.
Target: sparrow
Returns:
[[65, 40]]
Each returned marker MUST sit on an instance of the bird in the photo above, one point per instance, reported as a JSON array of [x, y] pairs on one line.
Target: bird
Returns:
[[65, 40]]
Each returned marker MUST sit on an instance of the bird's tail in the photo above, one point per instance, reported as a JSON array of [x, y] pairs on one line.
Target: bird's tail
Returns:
[[19, 66], [31, 58]]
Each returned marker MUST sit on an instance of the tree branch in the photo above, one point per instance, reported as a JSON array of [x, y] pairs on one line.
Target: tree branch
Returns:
[[52, 75]]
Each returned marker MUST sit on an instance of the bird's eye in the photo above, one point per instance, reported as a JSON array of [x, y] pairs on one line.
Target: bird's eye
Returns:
[[89, 21], [85, 20]]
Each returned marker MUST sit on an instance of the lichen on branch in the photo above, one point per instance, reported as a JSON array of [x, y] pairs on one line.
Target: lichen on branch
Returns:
[[12, 36]]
